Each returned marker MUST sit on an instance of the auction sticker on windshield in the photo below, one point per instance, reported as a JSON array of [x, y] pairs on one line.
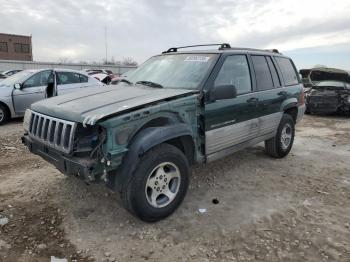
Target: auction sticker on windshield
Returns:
[[197, 59]]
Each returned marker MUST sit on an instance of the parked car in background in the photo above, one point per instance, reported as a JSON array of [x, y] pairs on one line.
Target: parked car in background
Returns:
[[116, 80], [2, 77], [92, 71], [329, 91], [104, 78], [20, 90], [177, 109], [6, 74], [10, 72]]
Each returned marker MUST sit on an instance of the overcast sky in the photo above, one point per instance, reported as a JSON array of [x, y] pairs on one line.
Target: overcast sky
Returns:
[[310, 31]]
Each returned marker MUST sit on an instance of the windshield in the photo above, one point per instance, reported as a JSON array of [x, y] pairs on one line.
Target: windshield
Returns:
[[16, 78], [174, 71]]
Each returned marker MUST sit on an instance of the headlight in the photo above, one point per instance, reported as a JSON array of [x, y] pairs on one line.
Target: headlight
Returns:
[[26, 119]]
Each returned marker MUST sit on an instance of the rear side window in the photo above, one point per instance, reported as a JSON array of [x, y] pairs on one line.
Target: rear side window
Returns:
[[65, 78], [288, 71], [235, 71], [83, 79], [262, 73], [275, 78]]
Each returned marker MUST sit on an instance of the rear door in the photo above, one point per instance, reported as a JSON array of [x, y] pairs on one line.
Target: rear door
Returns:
[[232, 121], [33, 90], [270, 93], [84, 80], [68, 82]]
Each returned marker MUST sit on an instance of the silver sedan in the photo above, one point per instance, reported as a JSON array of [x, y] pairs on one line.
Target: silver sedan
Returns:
[[20, 90]]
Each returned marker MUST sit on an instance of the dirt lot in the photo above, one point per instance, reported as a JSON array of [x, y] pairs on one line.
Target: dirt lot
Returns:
[[292, 209]]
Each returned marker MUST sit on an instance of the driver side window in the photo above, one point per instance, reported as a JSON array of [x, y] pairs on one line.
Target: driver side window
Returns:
[[39, 79], [235, 71]]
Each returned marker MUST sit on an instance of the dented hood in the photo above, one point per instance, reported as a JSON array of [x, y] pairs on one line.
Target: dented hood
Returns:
[[92, 104], [328, 74]]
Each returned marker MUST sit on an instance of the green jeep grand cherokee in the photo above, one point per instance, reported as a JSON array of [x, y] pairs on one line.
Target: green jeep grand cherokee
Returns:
[[178, 108]]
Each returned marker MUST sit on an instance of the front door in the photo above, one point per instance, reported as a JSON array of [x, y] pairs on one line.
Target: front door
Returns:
[[33, 90], [230, 122]]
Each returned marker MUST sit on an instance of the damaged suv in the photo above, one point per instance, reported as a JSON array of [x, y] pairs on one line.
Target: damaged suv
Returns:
[[329, 91], [177, 109]]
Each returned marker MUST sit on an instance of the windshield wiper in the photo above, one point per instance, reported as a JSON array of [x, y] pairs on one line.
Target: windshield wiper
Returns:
[[126, 81], [149, 83]]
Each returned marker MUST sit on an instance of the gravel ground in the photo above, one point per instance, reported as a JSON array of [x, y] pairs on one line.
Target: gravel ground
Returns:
[[257, 208]]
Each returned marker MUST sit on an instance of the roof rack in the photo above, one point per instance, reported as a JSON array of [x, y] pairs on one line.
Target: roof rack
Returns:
[[224, 46], [174, 49]]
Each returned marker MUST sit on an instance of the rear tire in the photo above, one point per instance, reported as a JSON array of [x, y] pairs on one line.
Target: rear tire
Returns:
[[280, 145], [4, 114], [158, 185]]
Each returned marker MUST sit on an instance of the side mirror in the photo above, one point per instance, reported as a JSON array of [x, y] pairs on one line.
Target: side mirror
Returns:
[[223, 92], [18, 86]]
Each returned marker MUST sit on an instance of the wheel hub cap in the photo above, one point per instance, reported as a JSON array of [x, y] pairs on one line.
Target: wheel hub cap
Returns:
[[1, 115], [286, 136], [163, 184]]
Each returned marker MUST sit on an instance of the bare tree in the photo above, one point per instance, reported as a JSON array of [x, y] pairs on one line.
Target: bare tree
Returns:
[[64, 60], [128, 61]]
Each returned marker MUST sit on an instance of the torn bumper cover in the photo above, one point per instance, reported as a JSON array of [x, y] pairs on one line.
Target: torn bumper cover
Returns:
[[81, 167], [328, 101]]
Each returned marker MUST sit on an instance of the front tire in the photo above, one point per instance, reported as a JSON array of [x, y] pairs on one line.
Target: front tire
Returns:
[[280, 145], [159, 183], [4, 114]]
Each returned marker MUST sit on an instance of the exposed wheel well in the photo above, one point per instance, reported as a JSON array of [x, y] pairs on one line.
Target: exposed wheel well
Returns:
[[293, 112], [6, 108], [183, 143], [160, 121]]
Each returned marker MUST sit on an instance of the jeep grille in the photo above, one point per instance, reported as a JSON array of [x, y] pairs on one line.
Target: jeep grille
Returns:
[[54, 132]]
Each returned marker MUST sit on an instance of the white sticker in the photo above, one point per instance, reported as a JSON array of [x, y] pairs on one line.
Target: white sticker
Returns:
[[197, 58]]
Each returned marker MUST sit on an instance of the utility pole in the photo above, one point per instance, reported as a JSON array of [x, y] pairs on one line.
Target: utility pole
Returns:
[[106, 43]]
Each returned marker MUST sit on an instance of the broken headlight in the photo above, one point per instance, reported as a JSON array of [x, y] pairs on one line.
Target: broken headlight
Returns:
[[88, 138]]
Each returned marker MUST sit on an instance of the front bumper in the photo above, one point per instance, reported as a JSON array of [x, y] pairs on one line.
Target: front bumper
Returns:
[[323, 104], [85, 168]]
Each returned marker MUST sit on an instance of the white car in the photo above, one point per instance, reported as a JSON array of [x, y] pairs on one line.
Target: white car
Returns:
[[20, 90]]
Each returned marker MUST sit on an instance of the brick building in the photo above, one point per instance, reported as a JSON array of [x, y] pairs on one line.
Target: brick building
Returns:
[[16, 47]]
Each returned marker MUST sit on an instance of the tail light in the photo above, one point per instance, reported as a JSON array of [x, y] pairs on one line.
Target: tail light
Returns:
[[302, 98]]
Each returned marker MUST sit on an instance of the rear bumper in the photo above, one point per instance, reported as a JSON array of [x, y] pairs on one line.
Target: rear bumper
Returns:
[[82, 167], [301, 111]]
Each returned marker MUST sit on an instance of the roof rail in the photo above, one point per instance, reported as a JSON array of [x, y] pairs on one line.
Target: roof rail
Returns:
[[252, 49], [274, 50], [174, 49]]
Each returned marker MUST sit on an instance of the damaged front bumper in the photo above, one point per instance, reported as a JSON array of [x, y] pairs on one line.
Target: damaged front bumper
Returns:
[[85, 168]]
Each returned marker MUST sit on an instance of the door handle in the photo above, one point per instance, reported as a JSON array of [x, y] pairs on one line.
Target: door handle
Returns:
[[253, 100]]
